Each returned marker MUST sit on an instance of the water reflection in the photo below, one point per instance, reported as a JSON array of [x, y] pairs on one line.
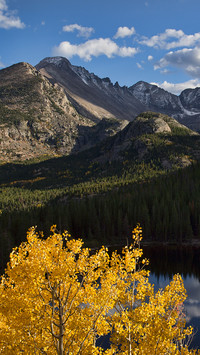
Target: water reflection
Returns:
[[164, 263], [168, 260]]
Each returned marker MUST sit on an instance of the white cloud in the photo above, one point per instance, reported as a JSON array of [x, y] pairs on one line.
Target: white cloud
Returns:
[[8, 19], [124, 32], [150, 57], [82, 31], [177, 88], [187, 59], [94, 48], [166, 40], [43, 23]]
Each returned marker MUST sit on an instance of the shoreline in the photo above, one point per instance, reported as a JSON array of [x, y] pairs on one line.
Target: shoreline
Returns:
[[195, 243]]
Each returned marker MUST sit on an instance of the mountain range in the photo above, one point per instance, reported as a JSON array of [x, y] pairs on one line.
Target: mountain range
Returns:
[[99, 98], [56, 108]]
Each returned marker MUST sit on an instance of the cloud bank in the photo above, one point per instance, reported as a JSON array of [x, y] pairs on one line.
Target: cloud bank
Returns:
[[8, 19], [166, 40], [82, 31], [177, 88], [94, 48], [187, 59]]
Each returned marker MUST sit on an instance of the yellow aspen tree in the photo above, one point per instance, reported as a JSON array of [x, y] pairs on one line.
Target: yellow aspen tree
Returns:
[[51, 302]]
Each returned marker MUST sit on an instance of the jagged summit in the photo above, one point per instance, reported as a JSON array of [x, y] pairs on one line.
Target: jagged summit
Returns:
[[84, 74], [156, 97], [92, 96]]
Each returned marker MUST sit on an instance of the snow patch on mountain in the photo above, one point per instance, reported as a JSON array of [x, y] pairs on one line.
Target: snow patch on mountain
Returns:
[[189, 113], [54, 60], [91, 79], [82, 73]]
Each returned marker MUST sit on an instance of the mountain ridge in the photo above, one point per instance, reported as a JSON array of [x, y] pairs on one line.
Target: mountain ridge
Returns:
[[96, 97]]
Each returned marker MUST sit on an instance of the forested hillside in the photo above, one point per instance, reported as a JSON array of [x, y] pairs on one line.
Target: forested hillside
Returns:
[[167, 207]]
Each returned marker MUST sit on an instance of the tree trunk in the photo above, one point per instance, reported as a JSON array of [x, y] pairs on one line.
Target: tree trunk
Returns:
[[61, 330]]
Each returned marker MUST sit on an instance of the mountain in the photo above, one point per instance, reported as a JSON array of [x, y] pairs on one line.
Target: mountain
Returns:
[[157, 99], [91, 96], [96, 98], [184, 108], [37, 119]]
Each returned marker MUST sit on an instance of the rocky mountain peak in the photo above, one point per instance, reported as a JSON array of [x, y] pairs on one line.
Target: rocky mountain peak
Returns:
[[107, 80], [57, 61], [145, 90], [141, 86], [36, 117], [153, 123], [92, 96], [151, 132], [190, 98], [19, 70]]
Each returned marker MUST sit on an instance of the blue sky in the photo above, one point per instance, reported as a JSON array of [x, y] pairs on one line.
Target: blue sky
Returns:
[[157, 41]]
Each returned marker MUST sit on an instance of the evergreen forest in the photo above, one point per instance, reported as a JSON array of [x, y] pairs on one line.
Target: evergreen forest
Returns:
[[104, 211]]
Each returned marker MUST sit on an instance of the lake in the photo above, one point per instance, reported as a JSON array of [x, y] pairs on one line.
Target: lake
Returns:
[[185, 260]]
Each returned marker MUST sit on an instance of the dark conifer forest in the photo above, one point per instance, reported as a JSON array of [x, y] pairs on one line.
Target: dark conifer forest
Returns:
[[167, 206]]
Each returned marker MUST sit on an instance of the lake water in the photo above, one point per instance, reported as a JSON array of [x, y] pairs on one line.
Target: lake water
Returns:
[[164, 263]]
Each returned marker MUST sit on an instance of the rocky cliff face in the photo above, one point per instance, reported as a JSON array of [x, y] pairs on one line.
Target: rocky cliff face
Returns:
[[153, 137], [154, 97], [36, 117], [190, 98]]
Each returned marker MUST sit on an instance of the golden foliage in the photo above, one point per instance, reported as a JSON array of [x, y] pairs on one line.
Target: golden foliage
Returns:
[[58, 297]]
